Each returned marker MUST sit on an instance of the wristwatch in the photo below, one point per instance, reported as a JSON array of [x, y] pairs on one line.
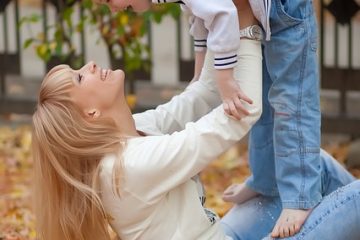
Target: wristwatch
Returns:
[[254, 32]]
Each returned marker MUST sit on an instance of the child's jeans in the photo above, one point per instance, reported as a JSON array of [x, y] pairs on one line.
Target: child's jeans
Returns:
[[286, 139], [338, 213]]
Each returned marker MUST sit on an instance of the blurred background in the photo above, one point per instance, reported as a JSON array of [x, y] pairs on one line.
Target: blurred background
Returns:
[[156, 52]]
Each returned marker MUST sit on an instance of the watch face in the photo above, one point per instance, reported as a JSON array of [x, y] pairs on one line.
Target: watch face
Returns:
[[256, 32]]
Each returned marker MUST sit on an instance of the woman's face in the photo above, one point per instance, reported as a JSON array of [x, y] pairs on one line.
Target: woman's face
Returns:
[[97, 88], [120, 5]]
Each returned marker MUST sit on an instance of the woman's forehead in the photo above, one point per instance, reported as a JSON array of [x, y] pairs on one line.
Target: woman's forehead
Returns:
[[60, 73]]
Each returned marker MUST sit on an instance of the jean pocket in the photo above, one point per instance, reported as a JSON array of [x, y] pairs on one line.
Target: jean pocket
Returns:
[[291, 11]]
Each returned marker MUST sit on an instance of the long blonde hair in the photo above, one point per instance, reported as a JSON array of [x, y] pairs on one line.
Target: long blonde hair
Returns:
[[67, 149]]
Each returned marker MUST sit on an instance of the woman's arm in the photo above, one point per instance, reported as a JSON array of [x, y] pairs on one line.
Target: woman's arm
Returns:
[[167, 161], [196, 101]]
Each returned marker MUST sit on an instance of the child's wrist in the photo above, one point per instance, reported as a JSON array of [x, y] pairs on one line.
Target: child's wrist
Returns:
[[224, 75]]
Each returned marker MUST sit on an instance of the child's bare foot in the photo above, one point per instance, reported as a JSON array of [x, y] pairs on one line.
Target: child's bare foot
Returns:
[[238, 193], [290, 222]]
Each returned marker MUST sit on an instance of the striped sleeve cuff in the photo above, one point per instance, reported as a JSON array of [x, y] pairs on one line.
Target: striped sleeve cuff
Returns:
[[224, 61], [200, 45]]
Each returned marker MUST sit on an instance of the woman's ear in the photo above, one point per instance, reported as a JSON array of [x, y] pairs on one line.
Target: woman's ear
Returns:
[[93, 113]]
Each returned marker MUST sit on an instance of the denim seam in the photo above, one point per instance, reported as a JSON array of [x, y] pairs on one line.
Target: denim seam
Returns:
[[260, 190], [300, 204], [299, 114], [324, 216], [305, 150]]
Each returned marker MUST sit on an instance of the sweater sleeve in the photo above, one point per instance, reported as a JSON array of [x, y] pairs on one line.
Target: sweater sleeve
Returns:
[[197, 29], [199, 33], [164, 162], [197, 100], [220, 18]]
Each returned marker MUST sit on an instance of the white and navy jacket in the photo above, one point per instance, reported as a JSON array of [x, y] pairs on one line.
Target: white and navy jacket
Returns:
[[214, 24]]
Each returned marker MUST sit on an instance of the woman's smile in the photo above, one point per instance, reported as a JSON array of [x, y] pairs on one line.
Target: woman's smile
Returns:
[[104, 73]]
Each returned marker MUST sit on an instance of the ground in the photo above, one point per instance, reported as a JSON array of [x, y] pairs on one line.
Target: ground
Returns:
[[16, 218]]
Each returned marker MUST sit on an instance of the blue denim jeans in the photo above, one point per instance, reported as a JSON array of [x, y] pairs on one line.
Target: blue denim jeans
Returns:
[[340, 210], [284, 145]]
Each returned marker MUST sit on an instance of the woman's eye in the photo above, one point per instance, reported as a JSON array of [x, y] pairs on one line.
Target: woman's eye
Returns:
[[80, 78]]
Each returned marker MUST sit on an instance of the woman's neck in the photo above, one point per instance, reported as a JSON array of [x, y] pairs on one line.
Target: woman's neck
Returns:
[[125, 122]]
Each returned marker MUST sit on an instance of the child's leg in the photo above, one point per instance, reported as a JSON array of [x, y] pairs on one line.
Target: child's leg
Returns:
[[292, 140], [292, 64]]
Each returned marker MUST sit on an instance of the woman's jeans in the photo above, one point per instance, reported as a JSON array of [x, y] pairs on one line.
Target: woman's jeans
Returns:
[[336, 217], [284, 145]]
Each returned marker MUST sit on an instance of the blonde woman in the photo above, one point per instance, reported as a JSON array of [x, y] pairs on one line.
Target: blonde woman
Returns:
[[93, 166], [96, 164]]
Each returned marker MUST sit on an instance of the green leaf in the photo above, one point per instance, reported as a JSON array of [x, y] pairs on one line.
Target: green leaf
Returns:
[[28, 42], [87, 4], [67, 16], [34, 18], [80, 27], [43, 52], [58, 49]]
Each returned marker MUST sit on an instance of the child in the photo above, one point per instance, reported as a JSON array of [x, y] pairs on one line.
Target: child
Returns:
[[214, 25], [284, 144]]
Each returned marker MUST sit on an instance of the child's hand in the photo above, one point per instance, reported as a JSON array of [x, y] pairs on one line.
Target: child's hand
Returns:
[[233, 98]]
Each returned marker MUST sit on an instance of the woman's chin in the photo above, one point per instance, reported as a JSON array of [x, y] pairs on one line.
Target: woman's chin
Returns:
[[118, 75]]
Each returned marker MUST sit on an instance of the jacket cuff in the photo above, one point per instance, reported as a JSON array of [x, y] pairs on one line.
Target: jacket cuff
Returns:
[[225, 60], [200, 45]]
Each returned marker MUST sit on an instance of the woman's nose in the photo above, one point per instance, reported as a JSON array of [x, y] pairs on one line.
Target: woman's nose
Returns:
[[91, 66]]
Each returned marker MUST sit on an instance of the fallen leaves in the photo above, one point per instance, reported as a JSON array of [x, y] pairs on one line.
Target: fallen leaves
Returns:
[[16, 219]]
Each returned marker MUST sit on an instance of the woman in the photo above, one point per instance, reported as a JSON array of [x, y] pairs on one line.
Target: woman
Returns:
[[92, 166]]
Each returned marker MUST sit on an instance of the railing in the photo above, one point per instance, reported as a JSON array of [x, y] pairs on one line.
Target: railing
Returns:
[[340, 61], [21, 68]]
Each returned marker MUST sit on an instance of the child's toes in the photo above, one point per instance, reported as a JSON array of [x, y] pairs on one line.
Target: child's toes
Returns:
[[275, 232]]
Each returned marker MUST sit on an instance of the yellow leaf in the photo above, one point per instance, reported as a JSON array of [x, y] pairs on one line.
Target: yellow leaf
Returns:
[[131, 100], [124, 19]]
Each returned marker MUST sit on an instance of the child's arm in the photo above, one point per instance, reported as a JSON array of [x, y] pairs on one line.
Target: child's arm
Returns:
[[220, 18], [199, 33], [199, 63]]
